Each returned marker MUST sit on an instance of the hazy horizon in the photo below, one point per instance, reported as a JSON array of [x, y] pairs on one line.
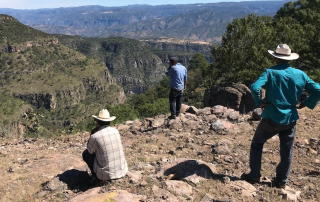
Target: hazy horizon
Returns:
[[41, 4]]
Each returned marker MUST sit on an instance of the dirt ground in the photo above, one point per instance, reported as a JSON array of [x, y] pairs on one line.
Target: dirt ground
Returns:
[[28, 164]]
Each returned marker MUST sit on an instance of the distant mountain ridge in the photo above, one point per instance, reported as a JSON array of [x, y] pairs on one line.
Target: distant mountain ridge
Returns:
[[190, 21]]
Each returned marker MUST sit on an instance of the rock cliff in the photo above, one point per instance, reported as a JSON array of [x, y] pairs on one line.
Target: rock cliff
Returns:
[[132, 63]]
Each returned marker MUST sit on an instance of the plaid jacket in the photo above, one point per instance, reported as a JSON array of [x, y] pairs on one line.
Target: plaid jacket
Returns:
[[110, 162]]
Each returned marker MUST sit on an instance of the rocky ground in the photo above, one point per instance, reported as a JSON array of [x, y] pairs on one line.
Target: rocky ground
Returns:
[[196, 157]]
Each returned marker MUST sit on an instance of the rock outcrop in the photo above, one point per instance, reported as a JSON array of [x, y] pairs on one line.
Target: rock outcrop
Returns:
[[234, 96]]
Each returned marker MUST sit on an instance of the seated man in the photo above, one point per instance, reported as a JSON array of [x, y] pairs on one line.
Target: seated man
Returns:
[[104, 154]]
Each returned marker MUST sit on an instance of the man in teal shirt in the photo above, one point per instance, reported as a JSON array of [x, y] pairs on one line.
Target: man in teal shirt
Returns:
[[284, 86]]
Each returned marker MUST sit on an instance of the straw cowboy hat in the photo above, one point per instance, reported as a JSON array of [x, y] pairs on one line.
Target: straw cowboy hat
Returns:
[[104, 115], [284, 52]]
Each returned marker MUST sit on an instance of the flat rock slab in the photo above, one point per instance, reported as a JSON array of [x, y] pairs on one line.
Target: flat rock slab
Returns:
[[86, 195], [93, 195], [189, 170], [164, 194], [290, 194], [134, 176], [246, 188], [179, 187], [57, 164]]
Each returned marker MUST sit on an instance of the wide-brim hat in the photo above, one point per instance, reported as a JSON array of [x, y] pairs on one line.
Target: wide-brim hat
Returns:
[[283, 51], [104, 115]]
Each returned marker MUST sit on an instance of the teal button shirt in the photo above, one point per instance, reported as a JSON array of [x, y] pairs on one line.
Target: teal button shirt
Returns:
[[284, 86]]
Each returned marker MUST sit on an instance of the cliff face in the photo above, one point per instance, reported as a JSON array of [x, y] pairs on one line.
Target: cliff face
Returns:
[[138, 75], [57, 99], [179, 45], [184, 49], [70, 95], [22, 47], [132, 63]]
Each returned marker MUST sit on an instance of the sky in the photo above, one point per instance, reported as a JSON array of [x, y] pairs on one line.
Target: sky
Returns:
[[35, 4]]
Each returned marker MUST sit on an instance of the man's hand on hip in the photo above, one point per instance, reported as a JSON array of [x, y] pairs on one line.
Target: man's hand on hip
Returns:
[[263, 105], [300, 106]]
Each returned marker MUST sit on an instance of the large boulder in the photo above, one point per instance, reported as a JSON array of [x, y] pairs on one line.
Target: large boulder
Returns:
[[235, 96]]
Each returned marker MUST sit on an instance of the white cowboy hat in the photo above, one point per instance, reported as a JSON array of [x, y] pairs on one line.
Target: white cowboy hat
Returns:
[[284, 52], [104, 115]]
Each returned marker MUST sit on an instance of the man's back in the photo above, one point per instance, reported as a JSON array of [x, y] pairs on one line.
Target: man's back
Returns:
[[178, 75], [284, 86], [110, 162]]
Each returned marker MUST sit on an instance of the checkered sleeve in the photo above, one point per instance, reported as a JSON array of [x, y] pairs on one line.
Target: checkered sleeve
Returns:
[[91, 146]]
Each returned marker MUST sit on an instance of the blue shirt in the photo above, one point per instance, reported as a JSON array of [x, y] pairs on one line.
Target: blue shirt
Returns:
[[178, 75], [284, 86]]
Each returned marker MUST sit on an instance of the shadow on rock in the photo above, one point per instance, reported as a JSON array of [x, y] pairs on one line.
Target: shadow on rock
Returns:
[[189, 168], [70, 179], [193, 171]]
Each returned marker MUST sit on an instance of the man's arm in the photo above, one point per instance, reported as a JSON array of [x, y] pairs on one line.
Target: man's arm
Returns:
[[255, 88], [185, 78], [91, 145], [169, 72], [314, 89]]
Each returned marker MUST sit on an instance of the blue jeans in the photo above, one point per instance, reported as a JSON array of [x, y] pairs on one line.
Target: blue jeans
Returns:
[[175, 99], [266, 130]]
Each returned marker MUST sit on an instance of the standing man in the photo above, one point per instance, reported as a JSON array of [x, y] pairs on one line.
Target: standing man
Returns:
[[178, 81], [104, 154], [284, 86]]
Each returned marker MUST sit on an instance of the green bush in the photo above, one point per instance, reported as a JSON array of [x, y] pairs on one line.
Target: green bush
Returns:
[[159, 106]]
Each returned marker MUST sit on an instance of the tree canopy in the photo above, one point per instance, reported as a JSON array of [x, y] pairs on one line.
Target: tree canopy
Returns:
[[243, 55]]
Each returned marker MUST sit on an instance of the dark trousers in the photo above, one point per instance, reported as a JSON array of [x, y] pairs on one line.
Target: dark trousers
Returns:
[[266, 130], [89, 159], [175, 99]]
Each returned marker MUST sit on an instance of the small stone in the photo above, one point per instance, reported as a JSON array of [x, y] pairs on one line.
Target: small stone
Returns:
[[313, 140], [290, 194], [256, 114], [206, 198], [164, 159], [11, 169], [112, 188], [171, 176], [228, 159], [134, 176], [312, 151], [226, 180], [143, 183], [42, 194], [171, 152]]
